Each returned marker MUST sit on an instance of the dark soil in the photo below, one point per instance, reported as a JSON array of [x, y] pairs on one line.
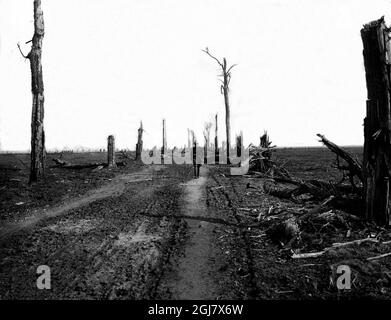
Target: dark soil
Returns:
[[154, 232]]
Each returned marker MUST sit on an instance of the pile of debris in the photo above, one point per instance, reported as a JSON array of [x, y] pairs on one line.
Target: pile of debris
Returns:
[[281, 184], [261, 156], [318, 223]]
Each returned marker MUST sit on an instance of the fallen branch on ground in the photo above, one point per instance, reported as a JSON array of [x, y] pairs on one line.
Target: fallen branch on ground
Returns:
[[334, 246], [66, 165], [379, 257]]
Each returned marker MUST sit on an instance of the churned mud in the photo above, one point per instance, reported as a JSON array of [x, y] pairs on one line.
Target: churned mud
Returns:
[[102, 245], [115, 188], [155, 232]]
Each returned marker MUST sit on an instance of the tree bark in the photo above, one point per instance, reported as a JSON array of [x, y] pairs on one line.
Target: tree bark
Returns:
[[377, 124], [37, 130]]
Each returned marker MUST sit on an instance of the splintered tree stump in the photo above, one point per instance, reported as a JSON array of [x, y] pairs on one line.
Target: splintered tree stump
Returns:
[[377, 124], [111, 152], [239, 144], [139, 145]]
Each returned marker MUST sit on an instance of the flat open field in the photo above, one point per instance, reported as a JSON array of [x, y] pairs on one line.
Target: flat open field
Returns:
[[155, 232]]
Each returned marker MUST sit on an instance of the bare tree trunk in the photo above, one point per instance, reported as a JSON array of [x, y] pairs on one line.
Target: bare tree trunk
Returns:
[[227, 108], [216, 142], [377, 124], [37, 168], [139, 145], [111, 151], [164, 148]]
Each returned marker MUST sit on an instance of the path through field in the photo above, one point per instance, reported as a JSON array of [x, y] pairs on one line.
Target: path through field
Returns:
[[194, 277]]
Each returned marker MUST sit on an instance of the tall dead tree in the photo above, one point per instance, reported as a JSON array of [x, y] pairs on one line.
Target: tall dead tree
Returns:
[[224, 89], [37, 130], [139, 144], [377, 124]]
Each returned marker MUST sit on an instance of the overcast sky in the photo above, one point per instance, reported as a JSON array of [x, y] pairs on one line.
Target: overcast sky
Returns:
[[109, 64]]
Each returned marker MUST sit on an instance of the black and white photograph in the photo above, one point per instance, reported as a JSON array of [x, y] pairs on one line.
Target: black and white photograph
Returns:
[[195, 156]]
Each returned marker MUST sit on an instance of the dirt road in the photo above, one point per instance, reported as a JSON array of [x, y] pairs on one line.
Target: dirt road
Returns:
[[194, 276], [112, 243], [157, 233], [146, 234]]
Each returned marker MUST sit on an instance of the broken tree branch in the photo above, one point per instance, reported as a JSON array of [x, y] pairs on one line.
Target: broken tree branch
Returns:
[[334, 246], [21, 52], [355, 168], [379, 257], [213, 57]]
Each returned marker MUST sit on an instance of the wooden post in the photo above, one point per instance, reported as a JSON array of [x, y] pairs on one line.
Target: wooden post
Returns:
[[37, 167], [377, 124], [139, 145], [111, 151], [216, 142]]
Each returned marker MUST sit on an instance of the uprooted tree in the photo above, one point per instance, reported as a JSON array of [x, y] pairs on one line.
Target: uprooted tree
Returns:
[[37, 129], [224, 89]]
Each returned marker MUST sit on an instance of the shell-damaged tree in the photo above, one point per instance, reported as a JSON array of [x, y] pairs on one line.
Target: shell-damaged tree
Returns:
[[37, 129], [224, 89]]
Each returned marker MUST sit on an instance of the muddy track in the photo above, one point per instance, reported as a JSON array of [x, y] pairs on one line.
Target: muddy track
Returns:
[[98, 247], [192, 276], [115, 188]]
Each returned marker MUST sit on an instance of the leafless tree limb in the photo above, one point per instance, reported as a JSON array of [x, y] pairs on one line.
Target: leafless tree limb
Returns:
[[207, 52], [21, 52]]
